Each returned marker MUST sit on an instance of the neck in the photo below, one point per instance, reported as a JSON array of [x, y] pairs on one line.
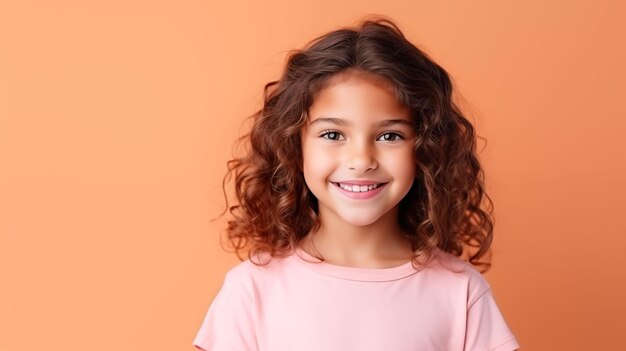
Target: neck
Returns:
[[377, 245]]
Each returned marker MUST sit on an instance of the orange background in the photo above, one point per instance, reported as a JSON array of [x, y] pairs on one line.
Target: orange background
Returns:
[[117, 118]]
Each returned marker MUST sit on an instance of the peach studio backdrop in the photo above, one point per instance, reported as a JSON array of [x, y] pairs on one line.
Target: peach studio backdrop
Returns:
[[117, 118]]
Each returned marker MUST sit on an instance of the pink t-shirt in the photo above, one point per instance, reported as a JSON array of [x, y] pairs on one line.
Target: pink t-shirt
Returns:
[[298, 303]]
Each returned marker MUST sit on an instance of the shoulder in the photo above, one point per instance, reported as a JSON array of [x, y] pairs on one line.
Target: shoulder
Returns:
[[248, 273], [260, 263], [460, 273]]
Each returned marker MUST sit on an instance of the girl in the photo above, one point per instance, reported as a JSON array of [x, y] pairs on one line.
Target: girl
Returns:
[[359, 195]]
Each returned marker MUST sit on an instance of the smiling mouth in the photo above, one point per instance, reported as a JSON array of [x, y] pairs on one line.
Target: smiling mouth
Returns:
[[358, 188]]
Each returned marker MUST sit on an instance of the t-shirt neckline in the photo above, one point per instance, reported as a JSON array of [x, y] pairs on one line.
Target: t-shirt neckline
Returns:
[[354, 273]]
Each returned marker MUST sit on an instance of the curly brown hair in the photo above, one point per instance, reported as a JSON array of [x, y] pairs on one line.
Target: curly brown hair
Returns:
[[443, 208]]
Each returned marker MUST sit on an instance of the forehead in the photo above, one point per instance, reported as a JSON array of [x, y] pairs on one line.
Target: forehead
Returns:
[[358, 96]]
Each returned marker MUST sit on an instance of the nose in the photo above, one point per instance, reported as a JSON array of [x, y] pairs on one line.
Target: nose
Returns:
[[361, 157]]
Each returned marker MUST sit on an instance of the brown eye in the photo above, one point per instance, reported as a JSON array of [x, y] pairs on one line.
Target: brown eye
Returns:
[[331, 135], [391, 136]]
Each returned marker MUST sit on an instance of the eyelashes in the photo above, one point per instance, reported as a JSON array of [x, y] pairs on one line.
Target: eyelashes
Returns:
[[328, 133], [334, 135]]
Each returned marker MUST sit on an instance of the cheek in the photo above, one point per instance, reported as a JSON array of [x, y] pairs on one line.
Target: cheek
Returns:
[[317, 163], [401, 164]]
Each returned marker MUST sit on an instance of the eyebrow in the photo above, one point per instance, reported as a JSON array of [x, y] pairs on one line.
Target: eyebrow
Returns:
[[343, 122]]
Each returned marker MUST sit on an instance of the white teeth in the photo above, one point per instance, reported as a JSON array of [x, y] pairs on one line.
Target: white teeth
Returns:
[[358, 188]]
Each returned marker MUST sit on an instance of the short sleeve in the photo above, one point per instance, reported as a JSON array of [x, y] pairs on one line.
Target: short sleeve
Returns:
[[487, 329], [229, 322]]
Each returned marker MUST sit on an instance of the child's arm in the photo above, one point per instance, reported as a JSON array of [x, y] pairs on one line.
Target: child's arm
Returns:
[[487, 328], [229, 323]]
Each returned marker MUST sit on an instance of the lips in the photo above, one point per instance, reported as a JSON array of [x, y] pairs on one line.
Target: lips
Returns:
[[358, 186], [359, 182], [354, 192]]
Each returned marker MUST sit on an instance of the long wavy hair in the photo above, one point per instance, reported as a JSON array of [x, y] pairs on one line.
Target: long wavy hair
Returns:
[[443, 209]]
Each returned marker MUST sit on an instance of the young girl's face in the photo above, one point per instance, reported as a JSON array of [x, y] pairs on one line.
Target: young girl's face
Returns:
[[357, 150]]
